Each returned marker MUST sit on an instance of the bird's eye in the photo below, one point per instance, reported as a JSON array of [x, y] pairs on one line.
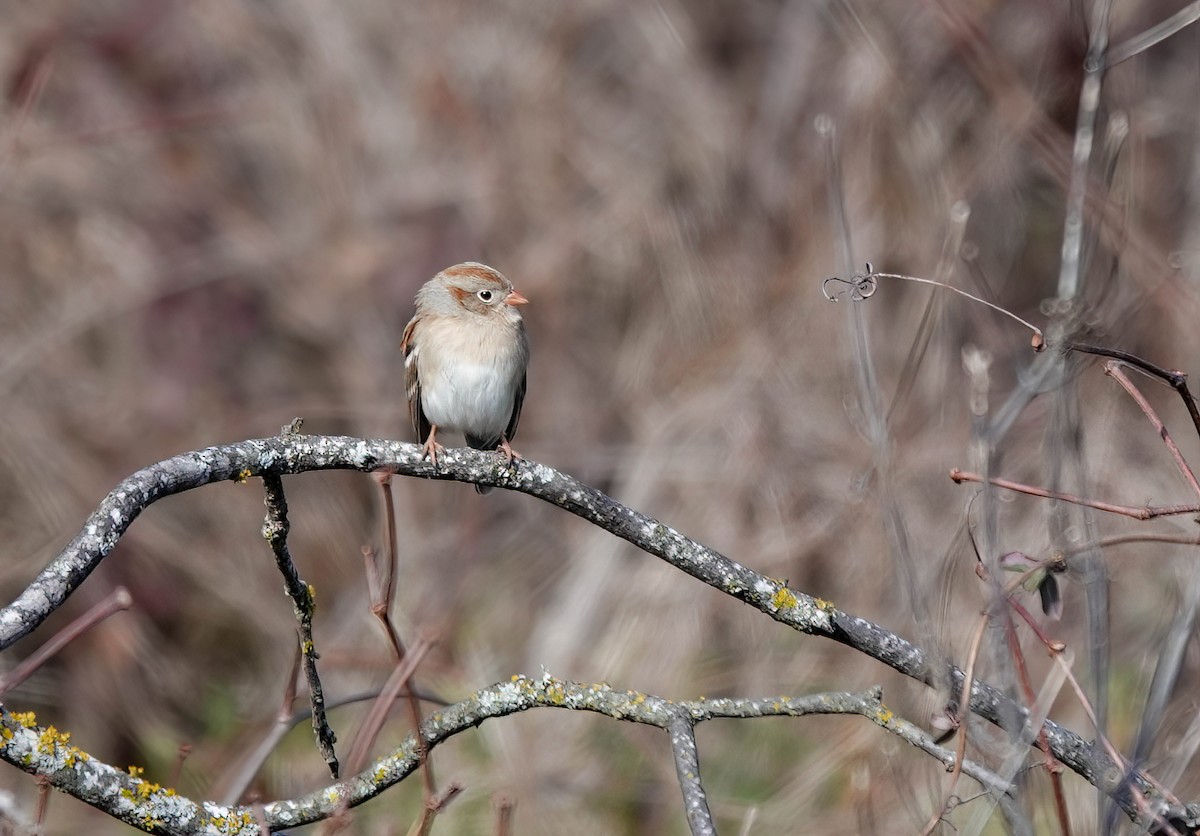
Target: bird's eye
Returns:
[[484, 295]]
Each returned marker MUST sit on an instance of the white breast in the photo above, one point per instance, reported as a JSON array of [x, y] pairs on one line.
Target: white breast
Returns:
[[469, 384]]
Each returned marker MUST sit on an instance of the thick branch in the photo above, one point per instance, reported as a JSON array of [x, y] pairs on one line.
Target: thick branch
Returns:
[[292, 454], [46, 752]]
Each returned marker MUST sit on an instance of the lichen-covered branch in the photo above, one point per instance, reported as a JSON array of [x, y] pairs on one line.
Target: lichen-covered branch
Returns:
[[290, 454], [275, 531], [47, 752], [682, 729]]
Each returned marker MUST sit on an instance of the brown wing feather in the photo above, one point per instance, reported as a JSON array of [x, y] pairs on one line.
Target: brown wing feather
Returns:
[[412, 383], [523, 341], [511, 429]]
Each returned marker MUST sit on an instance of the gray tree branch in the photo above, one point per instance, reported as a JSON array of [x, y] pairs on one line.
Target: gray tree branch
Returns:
[[48, 753], [292, 454]]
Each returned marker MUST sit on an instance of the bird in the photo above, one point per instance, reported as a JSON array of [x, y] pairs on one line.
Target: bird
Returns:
[[465, 359]]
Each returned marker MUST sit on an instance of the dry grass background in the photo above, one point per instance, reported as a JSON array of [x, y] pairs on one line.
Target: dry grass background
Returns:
[[214, 216]]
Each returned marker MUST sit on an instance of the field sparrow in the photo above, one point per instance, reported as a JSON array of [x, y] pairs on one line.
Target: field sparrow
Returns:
[[465, 355]]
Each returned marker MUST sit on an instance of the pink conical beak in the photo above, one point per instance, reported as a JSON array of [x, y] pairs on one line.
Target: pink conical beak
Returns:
[[514, 298]]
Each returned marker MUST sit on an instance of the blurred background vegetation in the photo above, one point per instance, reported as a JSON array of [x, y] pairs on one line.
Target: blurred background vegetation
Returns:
[[214, 216]]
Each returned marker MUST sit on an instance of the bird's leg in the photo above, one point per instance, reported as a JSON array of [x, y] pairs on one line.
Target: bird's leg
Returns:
[[506, 450], [431, 448]]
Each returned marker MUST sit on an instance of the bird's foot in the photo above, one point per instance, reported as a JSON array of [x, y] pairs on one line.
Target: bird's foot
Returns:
[[505, 449], [431, 448]]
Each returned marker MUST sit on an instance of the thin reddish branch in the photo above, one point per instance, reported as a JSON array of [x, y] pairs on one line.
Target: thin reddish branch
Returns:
[[1112, 368], [1146, 512], [119, 599]]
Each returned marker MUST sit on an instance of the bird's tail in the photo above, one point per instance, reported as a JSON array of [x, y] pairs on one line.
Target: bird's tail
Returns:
[[477, 443]]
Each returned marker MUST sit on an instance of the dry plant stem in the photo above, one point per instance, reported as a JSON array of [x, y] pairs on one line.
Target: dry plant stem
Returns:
[[263, 828], [29, 97], [234, 788], [1113, 369], [292, 453], [234, 785], [1121, 539], [1085, 132], [1113, 784], [275, 531], [119, 599], [185, 751], [1039, 338], [134, 800], [381, 606], [1177, 380], [1053, 767], [504, 814], [1055, 649], [1186, 16], [433, 807], [43, 801], [383, 704], [1023, 113], [961, 749], [1147, 512]]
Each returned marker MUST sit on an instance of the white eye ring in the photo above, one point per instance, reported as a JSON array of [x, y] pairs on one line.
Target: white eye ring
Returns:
[[484, 295]]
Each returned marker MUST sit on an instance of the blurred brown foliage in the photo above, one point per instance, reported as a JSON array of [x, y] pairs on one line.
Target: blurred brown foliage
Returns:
[[214, 216]]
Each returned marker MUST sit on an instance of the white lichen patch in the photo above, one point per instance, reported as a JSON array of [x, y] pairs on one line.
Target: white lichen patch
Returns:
[[361, 455], [542, 473], [216, 811]]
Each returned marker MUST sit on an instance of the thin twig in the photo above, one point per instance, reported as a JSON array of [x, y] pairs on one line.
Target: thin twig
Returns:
[[234, 785], [1146, 512], [1057, 655], [433, 808], [1038, 342], [961, 748], [1176, 379], [504, 815], [1121, 539], [1085, 131], [379, 710], [181, 755], [1155, 34], [116, 601], [1113, 369], [383, 595], [1051, 764]]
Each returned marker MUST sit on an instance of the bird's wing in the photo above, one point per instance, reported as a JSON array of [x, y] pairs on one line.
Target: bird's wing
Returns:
[[511, 430], [412, 383], [523, 342]]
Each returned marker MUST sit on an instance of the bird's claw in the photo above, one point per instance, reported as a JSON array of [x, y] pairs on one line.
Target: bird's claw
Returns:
[[505, 449], [431, 449]]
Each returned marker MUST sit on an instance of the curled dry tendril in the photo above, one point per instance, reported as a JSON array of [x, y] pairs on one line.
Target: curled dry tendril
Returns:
[[860, 286]]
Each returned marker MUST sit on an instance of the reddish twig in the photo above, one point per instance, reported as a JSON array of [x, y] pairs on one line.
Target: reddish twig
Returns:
[[961, 749], [382, 595], [1146, 512], [1177, 380], [119, 599], [504, 814], [1113, 369], [379, 710], [1056, 647]]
